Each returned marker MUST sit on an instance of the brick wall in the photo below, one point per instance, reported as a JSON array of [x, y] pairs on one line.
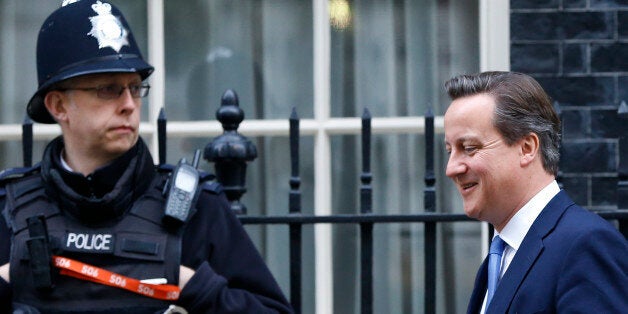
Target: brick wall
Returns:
[[578, 51]]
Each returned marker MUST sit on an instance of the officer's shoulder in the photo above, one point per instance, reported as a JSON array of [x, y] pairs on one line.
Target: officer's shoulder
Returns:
[[164, 168], [207, 180], [212, 187], [209, 183], [11, 174]]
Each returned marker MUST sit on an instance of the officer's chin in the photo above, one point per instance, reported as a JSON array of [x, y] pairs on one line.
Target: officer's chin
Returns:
[[121, 145]]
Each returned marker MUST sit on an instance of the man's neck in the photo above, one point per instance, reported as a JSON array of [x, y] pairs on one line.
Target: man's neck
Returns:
[[536, 185], [83, 166]]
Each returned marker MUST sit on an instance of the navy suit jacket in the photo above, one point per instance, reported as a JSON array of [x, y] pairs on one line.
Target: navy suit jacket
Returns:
[[570, 261]]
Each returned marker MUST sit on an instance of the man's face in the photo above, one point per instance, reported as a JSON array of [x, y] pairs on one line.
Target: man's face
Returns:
[[484, 169], [101, 127]]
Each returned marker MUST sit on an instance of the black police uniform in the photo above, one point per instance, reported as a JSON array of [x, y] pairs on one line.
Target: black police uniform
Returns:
[[230, 277]]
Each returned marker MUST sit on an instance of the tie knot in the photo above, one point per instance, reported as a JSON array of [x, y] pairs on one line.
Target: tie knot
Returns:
[[497, 246]]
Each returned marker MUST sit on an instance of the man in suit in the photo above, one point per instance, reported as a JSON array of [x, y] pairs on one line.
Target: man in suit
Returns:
[[502, 135]]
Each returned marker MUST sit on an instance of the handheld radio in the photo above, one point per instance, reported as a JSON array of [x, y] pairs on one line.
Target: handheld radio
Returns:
[[182, 189]]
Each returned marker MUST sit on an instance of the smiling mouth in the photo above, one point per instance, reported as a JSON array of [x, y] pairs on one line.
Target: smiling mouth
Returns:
[[467, 186]]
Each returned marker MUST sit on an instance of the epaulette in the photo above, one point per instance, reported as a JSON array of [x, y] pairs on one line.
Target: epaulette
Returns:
[[212, 186], [209, 183], [10, 174], [165, 168], [16, 173], [206, 176]]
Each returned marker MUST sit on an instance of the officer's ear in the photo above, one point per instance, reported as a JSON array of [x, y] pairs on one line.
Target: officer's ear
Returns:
[[55, 103]]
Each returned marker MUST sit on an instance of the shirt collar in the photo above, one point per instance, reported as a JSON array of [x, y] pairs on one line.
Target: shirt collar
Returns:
[[64, 164], [518, 226], [99, 182]]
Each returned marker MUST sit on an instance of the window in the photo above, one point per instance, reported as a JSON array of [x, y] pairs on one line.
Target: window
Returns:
[[329, 60]]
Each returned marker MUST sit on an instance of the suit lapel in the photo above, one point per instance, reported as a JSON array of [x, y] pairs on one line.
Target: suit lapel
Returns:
[[529, 251], [514, 276]]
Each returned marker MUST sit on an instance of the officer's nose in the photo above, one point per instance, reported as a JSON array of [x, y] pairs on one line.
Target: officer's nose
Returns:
[[127, 103]]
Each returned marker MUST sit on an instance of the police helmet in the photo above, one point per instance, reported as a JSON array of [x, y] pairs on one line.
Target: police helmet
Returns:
[[83, 37]]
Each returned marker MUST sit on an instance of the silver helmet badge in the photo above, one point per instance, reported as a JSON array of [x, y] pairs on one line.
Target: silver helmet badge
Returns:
[[106, 28]]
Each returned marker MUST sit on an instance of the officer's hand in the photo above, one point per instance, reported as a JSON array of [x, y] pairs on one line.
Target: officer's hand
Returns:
[[4, 272], [185, 273]]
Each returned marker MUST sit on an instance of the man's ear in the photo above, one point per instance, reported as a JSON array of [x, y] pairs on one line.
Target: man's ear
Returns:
[[530, 146], [55, 103]]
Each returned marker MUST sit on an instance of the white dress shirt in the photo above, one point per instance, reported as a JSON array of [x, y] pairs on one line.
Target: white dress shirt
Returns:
[[518, 226], [65, 164]]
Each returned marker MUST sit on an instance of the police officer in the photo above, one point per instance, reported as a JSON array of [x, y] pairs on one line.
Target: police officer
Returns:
[[83, 231]]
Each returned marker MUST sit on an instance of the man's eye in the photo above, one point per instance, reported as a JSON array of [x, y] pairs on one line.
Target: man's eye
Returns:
[[110, 89], [470, 149]]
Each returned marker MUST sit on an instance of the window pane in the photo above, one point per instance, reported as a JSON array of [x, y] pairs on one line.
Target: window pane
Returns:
[[392, 56], [19, 25], [261, 49]]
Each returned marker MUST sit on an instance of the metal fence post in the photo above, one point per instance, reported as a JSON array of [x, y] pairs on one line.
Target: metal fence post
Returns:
[[366, 228], [430, 207], [295, 209], [27, 142], [161, 136], [231, 151]]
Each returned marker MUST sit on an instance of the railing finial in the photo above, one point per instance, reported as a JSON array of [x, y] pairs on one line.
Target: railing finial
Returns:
[[231, 151]]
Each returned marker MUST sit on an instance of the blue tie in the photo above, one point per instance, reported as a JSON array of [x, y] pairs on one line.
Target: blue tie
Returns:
[[494, 263]]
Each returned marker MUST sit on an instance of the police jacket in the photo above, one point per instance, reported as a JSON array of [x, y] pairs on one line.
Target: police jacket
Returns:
[[97, 219]]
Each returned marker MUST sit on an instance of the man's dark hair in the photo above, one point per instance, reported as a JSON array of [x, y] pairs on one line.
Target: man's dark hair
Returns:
[[522, 107]]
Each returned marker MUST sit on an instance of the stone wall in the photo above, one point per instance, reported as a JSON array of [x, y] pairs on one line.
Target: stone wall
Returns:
[[578, 51]]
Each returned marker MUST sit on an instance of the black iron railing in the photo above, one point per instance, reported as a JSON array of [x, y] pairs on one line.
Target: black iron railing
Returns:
[[237, 151]]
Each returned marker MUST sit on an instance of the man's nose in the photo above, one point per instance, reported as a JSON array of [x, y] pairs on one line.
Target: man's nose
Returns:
[[454, 166], [128, 103]]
